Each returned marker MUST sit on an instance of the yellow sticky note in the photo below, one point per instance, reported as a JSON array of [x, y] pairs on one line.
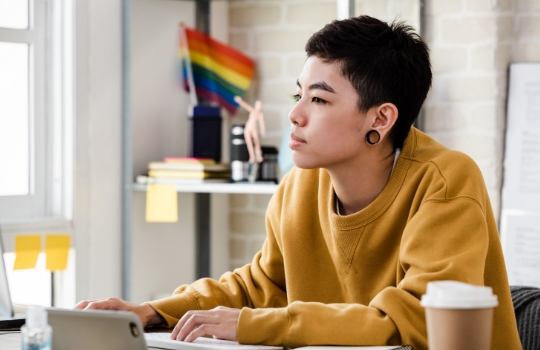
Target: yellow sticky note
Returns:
[[161, 203], [57, 250], [27, 249]]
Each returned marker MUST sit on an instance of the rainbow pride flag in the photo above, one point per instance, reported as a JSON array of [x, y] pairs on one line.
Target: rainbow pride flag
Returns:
[[217, 72]]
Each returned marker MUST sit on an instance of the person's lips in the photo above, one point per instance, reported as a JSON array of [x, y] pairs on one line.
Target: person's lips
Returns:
[[296, 141]]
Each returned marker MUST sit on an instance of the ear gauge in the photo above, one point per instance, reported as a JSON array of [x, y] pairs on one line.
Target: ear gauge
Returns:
[[373, 137]]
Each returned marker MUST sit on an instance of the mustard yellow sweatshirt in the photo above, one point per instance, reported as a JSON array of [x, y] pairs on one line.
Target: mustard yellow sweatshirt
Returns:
[[325, 279]]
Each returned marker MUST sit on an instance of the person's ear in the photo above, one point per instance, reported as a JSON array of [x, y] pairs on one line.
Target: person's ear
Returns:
[[384, 118]]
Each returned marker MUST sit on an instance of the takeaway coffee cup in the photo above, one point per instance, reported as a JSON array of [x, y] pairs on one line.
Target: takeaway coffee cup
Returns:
[[458, 315]]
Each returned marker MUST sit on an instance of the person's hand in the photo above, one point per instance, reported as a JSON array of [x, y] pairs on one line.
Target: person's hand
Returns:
[[220, 322], [251, 135], [146, 313]]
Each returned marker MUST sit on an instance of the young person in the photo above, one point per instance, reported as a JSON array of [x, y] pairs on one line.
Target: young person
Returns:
[[372, 212]]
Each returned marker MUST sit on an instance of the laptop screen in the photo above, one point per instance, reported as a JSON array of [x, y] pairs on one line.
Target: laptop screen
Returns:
[[6, 308]]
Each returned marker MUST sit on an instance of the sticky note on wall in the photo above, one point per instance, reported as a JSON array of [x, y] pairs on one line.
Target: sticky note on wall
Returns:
[[27, 249], [57, 250], [161, 203]]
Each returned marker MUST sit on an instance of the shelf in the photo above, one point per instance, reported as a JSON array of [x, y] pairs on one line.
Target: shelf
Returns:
[[246, 188]]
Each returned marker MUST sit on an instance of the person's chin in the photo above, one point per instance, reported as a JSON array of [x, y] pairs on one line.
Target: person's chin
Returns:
[[303, 162]]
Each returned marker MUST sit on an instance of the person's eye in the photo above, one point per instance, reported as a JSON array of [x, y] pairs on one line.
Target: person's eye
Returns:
[[297, 97], [318, 100]]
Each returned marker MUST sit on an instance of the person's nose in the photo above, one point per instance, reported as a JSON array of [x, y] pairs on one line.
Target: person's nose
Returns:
[[297, 115]]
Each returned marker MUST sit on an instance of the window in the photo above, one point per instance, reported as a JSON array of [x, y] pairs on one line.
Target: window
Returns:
[[36, 147], [35, 110]]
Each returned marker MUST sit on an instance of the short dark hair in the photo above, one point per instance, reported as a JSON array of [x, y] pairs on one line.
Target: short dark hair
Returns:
[[384, 63]]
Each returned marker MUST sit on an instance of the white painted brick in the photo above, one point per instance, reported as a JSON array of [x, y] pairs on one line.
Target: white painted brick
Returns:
[[404, 8], [505, 28], [272, 119], [248, 223], [295, 65], [528, 5], [502, 85], [491, 171], [255, 15], [238, 201], [475, 144], [237, 248], [269, 67], [282, 40], [239, 40], [314, 13], [446, 117], [490, 57], [271, 141], [471, 88], [278, 93], [448, 59], [480, 5], [529, 27], [439, 8], [431, 30], [261, 201], [378, 9], [468, 30], [487, 116], [255, 245], [527, 52]]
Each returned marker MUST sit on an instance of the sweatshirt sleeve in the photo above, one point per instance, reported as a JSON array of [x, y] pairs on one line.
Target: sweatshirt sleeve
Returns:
[[446, 239], [260, 284]]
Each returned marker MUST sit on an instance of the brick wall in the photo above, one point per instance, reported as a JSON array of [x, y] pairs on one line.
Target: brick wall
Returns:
[[470, 45], [472, 42], [526, 39]]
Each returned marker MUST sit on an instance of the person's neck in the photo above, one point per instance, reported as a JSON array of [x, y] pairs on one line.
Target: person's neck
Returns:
[[358, 184]]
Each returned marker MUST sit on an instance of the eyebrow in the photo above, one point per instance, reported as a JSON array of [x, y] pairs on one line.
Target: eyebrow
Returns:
[[321, 85]]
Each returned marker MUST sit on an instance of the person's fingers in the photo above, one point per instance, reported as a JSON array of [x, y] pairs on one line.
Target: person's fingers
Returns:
[[243, 104], [221, 331], [108, 304], [182, 321], [196, 321], [82, 304]]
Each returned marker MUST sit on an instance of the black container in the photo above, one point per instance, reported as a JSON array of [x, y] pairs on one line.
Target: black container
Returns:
[[239, 154], [268, 170], [206, 133]]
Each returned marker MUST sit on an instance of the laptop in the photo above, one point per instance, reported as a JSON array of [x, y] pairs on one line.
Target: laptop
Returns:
[[7, 314]]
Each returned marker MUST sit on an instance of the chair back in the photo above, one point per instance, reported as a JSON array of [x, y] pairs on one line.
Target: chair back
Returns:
[[526, 302]]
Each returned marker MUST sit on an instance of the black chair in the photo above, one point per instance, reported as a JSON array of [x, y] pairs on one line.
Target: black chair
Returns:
[[526, 302]]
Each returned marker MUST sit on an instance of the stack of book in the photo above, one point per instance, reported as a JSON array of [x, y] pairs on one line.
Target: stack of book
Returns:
[[175, 170]]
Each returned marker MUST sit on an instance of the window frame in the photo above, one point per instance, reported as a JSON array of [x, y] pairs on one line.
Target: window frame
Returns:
[[49, 205]]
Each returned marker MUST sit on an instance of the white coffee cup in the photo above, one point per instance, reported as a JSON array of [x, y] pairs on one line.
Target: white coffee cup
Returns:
[[459, 315]]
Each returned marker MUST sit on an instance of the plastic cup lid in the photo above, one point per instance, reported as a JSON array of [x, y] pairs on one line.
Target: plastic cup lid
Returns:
[[458, 295]]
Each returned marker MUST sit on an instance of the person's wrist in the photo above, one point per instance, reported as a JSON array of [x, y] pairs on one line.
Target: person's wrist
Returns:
[[150, 316]]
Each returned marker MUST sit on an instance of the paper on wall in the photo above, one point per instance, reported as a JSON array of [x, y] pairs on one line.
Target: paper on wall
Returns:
[[521, 244], [521, 188]]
